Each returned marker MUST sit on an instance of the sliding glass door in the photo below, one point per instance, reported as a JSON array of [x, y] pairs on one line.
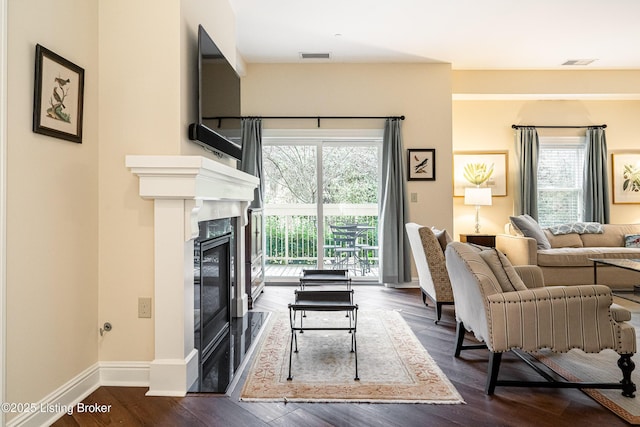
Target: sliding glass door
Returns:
[[349, 210], [291, 192], [321, 206]]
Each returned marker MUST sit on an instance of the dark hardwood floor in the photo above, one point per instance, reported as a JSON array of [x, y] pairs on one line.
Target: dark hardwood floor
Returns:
[[508, 407]]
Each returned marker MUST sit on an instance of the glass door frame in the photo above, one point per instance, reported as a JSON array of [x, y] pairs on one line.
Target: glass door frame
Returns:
[[321, 138]]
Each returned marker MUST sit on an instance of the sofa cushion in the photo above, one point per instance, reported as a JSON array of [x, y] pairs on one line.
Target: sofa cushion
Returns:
[[507, 277], [469, 262], [571, 240], [529, 227], [443, 237], [577, 227], [632, 240], [579, 257], [613, 235]]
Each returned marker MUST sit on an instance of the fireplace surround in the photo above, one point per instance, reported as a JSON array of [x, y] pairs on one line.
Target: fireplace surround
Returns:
[[185, 191]]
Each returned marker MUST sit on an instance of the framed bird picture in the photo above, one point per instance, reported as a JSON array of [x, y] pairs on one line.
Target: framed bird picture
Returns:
[[58, 96], [421, 164]]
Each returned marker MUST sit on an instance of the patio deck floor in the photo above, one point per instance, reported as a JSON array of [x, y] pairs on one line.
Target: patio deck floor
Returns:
[[289, 272]]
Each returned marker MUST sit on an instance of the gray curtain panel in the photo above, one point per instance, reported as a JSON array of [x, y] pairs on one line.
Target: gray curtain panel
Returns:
[[596, 183], [251, 161], [527, 152], [394, 244]]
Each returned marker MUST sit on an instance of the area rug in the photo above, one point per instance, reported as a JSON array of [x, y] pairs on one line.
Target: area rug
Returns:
[[602, 367], [393, 366]]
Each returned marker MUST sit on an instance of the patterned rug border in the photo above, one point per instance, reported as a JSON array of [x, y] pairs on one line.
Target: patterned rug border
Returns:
[[595, 394], [275, 341], [598, 395]]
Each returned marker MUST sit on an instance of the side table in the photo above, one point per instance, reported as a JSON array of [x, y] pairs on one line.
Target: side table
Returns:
[[488, 240]]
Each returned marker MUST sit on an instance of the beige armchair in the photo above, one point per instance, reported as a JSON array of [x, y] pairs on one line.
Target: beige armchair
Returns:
[[428, 255], [508, 313]]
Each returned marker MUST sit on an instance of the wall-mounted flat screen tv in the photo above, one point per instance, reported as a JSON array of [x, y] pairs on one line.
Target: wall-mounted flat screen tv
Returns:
[[218, 96]]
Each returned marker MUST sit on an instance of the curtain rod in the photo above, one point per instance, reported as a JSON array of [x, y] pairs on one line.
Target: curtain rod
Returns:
[[318, 118], [559, 127]]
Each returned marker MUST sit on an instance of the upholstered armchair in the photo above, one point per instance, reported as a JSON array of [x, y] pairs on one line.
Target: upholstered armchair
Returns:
[[507, 313], [428, 254]]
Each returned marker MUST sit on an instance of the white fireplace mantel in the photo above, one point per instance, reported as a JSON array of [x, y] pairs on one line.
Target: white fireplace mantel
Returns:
[[186, 190]]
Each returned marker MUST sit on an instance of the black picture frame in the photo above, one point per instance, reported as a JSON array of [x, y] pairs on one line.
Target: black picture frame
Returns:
[[421, 164], [58, 96]]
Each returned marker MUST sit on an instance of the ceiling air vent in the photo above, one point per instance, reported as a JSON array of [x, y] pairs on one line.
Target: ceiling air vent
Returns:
[[309, 55], [579, 62]]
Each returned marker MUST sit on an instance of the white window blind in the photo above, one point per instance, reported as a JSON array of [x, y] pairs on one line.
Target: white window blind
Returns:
[[560, 180]]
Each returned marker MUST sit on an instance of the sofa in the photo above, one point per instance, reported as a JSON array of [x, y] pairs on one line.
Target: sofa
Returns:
[[563, 252]]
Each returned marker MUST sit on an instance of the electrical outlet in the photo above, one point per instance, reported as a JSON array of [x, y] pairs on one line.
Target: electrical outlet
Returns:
[[144, 307], [414, 197]]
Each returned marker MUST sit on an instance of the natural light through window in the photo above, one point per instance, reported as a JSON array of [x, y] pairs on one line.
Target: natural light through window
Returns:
[[315, 189], [560, 180]]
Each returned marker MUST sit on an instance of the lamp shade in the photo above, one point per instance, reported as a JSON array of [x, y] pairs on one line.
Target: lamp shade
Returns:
[[477, 196]]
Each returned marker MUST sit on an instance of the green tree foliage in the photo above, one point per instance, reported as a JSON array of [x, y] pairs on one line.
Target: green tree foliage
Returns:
[[350, 174]]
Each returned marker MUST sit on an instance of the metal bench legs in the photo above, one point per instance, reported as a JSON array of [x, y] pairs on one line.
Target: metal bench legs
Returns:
[[353, 321]]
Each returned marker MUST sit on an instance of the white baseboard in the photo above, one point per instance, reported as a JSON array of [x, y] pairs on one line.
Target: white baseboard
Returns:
[[61, 401], [124, 374], [65, 399], [414, 283]]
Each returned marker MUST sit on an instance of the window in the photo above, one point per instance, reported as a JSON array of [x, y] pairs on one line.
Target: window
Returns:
[[315, 183], [560, 180]]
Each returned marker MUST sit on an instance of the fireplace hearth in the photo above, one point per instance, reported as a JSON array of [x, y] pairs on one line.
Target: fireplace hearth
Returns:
[[225, 364]]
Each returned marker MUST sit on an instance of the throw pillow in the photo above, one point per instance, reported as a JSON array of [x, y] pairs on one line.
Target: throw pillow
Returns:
[[571, 240], [529, 227], [503, 270], [632, 240], [443, 237], [577, 227]]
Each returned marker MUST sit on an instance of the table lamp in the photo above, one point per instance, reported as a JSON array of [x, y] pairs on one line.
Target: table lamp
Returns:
[[478, 197]]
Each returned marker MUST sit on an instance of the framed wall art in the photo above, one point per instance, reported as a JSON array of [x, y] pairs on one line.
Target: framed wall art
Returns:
[[58, 96], [421, 164], [488, 167], [625, 174]]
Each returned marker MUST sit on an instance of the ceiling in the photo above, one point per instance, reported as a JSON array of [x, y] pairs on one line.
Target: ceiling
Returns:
[[469, 34]]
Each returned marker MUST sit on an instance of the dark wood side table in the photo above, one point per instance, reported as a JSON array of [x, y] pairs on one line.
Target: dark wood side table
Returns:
[[488, 240]]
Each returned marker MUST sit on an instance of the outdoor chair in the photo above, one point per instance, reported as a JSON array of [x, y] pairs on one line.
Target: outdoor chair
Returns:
[[508, 308], [345, 247]]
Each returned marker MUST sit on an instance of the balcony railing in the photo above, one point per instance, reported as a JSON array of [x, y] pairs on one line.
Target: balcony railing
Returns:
[[292, 231]]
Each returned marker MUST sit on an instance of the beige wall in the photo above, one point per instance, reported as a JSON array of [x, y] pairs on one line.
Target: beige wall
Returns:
[[139, 114], [52, 209], [147, 99], [221, 26], [547, 84], [485, 124], [77, 204], [421, 92]]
